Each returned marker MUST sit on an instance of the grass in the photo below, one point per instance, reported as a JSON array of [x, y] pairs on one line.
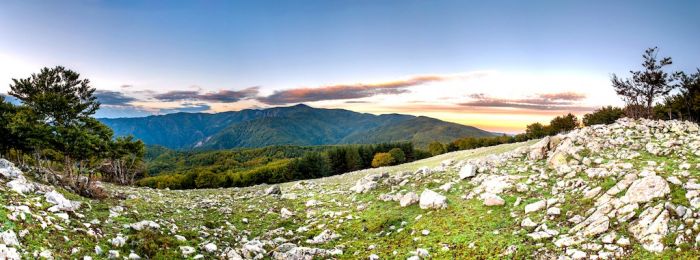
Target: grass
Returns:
[[466, 229]]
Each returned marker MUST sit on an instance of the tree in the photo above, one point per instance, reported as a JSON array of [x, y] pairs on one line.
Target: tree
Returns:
[[125, 160], [353, 161], [603, 115], [685, 104], [382, 159], [398, 155], [563, 124], [7, 111], [64, 103], [436, 148], [644, 87], [536, 130]]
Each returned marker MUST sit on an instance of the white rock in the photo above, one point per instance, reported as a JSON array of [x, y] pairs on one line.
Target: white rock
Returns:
[[467, 171], [186, 250], [535, 206], [408, 199], [493, 200], [144, 224], [118, 241], [210, 248], [285, 213], [432, 200], [8, 169], [10, 238], [646, 189], [61, 202], [9, 253]]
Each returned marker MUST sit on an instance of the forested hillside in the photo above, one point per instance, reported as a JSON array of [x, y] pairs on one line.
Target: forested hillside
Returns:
[[295, 125]]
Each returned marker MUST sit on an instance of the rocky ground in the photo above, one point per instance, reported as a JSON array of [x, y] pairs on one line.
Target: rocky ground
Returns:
[[626, 190]]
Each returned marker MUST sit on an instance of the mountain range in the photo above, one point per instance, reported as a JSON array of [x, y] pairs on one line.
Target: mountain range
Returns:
[[294, 125]]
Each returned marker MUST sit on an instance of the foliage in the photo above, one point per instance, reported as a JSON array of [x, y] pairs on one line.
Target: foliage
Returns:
[[603, 115], [646, 86], [382, 159], [398, 155], [245, 167], [684, 105], [436, 148], [563, 123], [54, 125]]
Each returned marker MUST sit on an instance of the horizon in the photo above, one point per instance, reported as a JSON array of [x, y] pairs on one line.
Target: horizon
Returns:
[[480, 64]]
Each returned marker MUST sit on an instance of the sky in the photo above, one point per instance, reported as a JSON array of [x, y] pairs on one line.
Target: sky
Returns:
[[497, 65]]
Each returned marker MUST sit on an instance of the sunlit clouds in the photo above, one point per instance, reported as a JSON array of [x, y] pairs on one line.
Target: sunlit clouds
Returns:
[[501, 101]]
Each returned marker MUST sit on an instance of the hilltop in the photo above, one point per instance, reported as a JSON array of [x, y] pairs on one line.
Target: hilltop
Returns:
[[625, 190], [295, 125]]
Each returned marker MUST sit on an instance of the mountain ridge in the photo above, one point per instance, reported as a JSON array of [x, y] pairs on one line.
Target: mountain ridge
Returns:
[[292, 125]]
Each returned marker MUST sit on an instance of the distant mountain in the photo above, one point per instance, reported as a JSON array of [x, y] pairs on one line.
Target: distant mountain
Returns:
[[295, 125]]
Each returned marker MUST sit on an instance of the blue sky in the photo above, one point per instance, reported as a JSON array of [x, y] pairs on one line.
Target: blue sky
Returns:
[[518, 50]]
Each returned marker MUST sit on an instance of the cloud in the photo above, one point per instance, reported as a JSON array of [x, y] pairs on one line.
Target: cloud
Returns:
[[113, 98], [187, 108], [573, 96], [348, 91], [549, 101], [221, 96]]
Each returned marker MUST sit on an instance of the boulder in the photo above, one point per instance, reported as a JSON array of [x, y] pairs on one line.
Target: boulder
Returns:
[[21, 186], [273, 190], [9, 238], [8, 170], [60, 202], [144, 224], [324, 237], [539, 149], [432, 200], [409, 199], [493, 200], [535, 206], [467, 171], [651, 227], [9, 253], [646, 189]]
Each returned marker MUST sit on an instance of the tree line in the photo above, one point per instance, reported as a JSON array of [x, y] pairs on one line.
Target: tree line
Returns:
[[53, 129], [315, 162]]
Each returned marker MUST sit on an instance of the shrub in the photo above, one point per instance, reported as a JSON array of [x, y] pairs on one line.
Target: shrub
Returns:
[[603, 115], [398, 155], [382, 159]]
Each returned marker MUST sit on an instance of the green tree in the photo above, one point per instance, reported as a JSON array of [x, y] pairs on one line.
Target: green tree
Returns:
[[436, 148], [603, 115], [125, 160], [382, 159], [63, 102], [647, 85], [685, 104], [536, 130], [398, 155], [563, 124], [353, 161]]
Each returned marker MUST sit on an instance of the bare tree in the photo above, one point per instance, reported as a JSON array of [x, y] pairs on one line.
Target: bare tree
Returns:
[[644, 87]]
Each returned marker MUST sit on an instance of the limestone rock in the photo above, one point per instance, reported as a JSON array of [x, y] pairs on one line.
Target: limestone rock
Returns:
[[646, 189], [432, 200]]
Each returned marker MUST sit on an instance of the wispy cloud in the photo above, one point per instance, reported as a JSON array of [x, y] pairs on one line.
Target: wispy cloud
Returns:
[[350, 91], [549, 101], [223, 96]]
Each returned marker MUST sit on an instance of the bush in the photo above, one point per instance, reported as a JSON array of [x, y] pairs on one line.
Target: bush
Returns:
[[436, 148], [603, 115], [382, 159], [398, 155]]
